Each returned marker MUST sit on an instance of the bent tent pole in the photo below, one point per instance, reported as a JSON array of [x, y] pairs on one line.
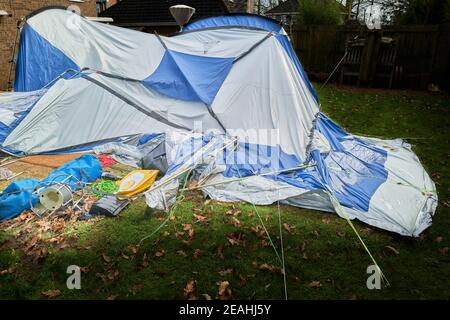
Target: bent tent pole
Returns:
[[19, 26], [63, 74]]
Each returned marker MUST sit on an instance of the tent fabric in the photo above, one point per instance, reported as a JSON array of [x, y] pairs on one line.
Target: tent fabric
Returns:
[[30, 73], [189, 77], [238, 73]]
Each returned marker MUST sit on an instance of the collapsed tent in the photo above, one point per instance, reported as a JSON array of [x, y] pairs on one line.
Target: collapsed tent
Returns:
[[234, 103]]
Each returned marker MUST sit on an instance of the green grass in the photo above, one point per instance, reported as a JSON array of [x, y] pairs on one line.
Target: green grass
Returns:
[[322, 248]]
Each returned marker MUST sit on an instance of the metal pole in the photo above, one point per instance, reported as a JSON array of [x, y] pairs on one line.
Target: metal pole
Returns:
[[13, 55]]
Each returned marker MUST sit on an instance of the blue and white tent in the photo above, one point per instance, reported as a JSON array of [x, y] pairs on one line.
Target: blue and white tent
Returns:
[[80, 84]]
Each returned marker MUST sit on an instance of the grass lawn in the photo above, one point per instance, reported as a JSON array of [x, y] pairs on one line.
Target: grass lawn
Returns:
[[324, 259]]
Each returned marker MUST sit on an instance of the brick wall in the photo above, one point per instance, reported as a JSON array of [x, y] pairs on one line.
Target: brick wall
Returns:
[[8, 26]]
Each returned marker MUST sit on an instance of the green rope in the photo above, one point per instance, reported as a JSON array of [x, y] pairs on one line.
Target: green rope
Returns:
[[262, 224], [346, 216], [102, 187], [171, 212]]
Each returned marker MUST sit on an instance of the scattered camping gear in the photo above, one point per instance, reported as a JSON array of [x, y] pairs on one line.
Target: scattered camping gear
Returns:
[[103, 187], [106, 161], [6, 174], [55, 197], [201, 75], [108, 205], [156, 159], [110, 176], [136, 182], [23, 194]]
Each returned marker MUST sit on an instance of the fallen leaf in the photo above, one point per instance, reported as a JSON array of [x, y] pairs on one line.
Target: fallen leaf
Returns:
[[197, 253], [268, 267], [288, 228], [220, 251], [145, 262], [179, 234], [159, 253], [186, 226], [315, 284], [52, 293], [303, 246], [233, 212], [133, 249], [199, 218], [207, 296], [439, 239], [190, 291], [236, 239], [165, 234], [112, 297], [223, 293], [58, 225], [106, 258], [226, 271], [393, 250], [182, 253], [258, 230], [112, 275], [235, 221], [10, 270]]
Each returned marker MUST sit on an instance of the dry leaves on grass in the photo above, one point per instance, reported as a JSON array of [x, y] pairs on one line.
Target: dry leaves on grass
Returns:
[[199, 217], [197, 253], [223, 292], [393, 250], [106, 258], [233, 212], [235, 222], [315, 284], [52, 293], [190, 291], [182, 253], [236, 239], [220, 249], [145, 263], [289, 228], [268, 267], [258, 231], [10, 270], [160, 253], [226, 271]]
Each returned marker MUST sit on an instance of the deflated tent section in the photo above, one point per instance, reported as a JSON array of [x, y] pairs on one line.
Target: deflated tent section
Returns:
[[236, 108]]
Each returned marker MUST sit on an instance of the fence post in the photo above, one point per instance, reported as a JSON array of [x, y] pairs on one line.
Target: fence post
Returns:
[[370, 53]]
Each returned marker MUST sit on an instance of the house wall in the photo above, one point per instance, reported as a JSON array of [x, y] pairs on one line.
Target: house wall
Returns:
[[8, 27]]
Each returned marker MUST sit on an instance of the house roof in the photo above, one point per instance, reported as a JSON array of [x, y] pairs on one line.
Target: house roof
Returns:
[[287, 6], [156, 12]]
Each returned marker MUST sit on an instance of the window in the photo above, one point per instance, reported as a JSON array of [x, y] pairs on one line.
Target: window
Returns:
[[101, 5]]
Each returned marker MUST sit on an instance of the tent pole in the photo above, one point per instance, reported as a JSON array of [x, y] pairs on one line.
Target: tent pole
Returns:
[[19, 22]]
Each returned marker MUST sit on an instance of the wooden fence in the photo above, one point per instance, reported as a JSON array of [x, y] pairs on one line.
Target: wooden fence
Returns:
[[423, 52]]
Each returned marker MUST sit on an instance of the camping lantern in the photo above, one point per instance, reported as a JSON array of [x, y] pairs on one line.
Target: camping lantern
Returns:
[[182, 14]]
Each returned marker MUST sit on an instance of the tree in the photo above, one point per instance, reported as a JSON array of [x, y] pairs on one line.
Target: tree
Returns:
[[415, 11], [322, 12]]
